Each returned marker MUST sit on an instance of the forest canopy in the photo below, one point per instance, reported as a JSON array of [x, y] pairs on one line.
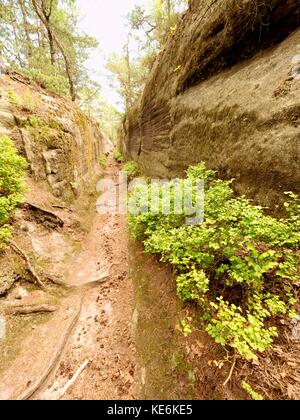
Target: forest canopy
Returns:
[[42, 40]]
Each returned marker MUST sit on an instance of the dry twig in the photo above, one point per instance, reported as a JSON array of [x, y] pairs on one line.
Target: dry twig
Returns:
[[28, 310], [231, 371]]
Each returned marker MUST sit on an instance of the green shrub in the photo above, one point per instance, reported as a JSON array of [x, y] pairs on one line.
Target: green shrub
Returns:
[[54, 83], [11, 184], [239, 265], [132, 169], [245, 333], [117, 155], [186, 326], [103, 162]]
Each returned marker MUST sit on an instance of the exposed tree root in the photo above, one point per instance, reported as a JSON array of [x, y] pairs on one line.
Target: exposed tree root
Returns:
[[56, 281], [88, 285], [56, 206], [95, 283], [48, 214], [19, 77], [27, 310], [23, 255]]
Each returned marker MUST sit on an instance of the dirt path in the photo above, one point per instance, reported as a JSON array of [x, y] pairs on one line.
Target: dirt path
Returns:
[[102, 334]]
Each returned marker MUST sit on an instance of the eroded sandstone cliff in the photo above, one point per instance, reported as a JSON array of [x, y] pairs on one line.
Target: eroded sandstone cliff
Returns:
[[226, 90], [60, 143]]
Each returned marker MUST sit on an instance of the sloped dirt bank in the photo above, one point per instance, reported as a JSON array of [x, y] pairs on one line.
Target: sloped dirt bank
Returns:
[[172, 366]]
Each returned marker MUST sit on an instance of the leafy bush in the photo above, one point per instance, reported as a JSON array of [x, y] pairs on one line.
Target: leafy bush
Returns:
[[132, 169], [186, 326], [103, 161], [239, 264], [11, 184], [117, 155]]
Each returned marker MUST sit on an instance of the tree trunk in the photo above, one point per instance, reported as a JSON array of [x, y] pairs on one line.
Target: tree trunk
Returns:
[[51, 44], [42, 35], [45, 18], [68, 69], [15, 33], [26, 28]]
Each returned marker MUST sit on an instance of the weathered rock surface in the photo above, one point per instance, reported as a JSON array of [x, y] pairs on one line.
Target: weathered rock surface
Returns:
[[60, 143], [226, 91]]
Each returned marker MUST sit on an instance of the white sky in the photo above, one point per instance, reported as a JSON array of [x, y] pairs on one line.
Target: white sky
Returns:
[[105, 20]]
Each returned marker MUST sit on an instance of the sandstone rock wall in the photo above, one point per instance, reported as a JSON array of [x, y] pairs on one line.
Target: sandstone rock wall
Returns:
[[226, 90], [60, 143]]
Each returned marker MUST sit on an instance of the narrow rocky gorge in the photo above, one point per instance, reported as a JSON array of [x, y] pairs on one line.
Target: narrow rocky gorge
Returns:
[[86, 312]]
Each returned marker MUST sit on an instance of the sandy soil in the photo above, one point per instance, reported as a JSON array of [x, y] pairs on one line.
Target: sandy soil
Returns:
[[102, 335]]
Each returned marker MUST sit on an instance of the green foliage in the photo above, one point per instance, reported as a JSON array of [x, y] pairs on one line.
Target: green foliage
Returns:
[[253, 394], [246, 334], [13, 98], [74, 185], [11, 184], [103, 161], [292, 207], [192, 285], [239, 265], [132, 169], [201, 172], [157, 20], [186, 326], [26, 102], [33, 121], [149, 28], [47, 78], [127, 76], [43, 41], [117, 155], [5, 234]]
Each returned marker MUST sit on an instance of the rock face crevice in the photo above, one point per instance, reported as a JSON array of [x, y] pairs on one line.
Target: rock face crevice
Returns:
[[225, 91], [61, 144]]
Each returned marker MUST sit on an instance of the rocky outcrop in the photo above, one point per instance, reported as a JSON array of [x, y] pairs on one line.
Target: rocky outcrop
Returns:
[[226, 90], [60, 143]]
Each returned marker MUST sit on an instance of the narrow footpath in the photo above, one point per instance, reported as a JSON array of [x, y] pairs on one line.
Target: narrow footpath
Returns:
[[100, 348]]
